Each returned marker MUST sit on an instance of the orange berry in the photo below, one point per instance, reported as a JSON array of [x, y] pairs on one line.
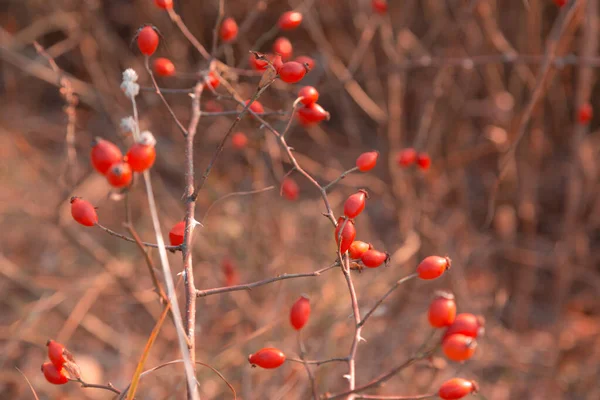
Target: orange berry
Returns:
[[442, 310], [459, 347], [457, 388], [433, 267]]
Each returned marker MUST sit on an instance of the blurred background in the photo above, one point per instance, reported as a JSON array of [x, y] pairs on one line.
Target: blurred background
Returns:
[[455, 78]]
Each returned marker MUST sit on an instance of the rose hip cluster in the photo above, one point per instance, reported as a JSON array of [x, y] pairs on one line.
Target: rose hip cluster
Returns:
[[108, 160], [409, 156], [62, 367], [459, 340]]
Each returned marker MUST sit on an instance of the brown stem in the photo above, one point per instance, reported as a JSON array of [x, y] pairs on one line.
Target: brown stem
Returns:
[[249, 286], [134, 240], [311, 377], [190, 223]]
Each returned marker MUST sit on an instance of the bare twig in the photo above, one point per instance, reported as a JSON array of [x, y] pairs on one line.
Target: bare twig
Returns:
[[133, 240], [249, 286], [390, 291], [309, 373], [234, 194]]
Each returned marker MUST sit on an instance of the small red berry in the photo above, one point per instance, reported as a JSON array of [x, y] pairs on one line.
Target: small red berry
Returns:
[[292, 72], [289, 20], [256, 107], [367, 161], [164, 67], [147, 40], [348, 234], [211, 80], [312, 114], [267, 358], [585, 114], [309, 95], [407, 157], [104, 154], [283, 47], [290, 189], [166, 4], [374, 258], [54, 375], [560, 3], [380, 6], [56, 353], [119, 175], [355, 204], [239, 140], [466, 324], [457, 388], [423, 160], [256, 64], [300, 312], [458, 347], [141, 155], [357, 249], [306, 60], [442, 310], [433, 267], [229, 30], [83, 212], [176, 234], [230, 272]]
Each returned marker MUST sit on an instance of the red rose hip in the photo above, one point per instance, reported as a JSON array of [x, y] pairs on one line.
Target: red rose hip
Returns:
[[290, 189], [56, 376], [300, 312], [289, 20], [367, 161], [267, 358], [457, 388], [147, 40], [176, 234], [119, 175], [56, 353], [374, 258], [433, 267], [458, 347], [229, 30], [357, 249], [104, 154], [348, 233], [283, 47], [309, 95], [164, 67], [83, 212], [355, 204], [442, 310]]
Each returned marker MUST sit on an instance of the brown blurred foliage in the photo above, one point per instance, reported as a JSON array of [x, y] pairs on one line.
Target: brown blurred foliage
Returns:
[[533, 271]]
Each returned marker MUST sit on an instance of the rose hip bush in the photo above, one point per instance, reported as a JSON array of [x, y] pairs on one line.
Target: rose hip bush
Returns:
[[266, 218]]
